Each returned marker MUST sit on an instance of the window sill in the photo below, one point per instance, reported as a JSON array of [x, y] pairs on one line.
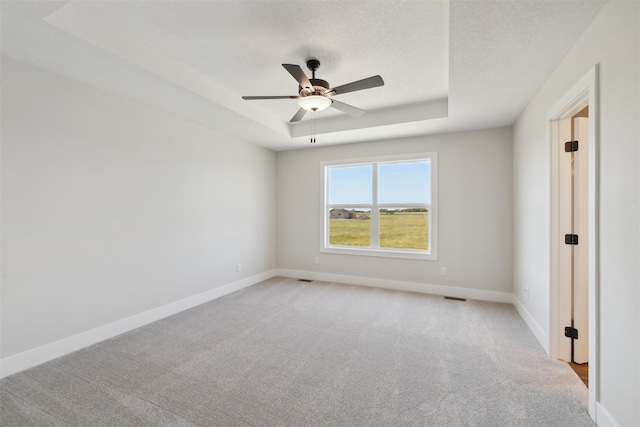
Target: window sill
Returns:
[[383, 253]]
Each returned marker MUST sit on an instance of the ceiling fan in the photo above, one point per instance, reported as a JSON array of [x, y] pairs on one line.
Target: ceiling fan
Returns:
[[316, 94]]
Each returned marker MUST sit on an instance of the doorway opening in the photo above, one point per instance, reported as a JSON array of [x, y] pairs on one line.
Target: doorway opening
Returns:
[[579, 361], [573, 293]]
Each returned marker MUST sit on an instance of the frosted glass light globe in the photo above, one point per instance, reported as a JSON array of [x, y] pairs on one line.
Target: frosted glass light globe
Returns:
[[314, 102]]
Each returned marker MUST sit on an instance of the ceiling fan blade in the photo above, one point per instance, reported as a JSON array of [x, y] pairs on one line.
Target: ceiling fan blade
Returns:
[[270, 97], [367, 83], [298, 116], [299, 75], [346, 108]]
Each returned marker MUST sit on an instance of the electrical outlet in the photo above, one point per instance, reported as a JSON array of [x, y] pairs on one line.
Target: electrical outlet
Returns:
[[443, 271], [526, 293], [316, 261], [238, 268]]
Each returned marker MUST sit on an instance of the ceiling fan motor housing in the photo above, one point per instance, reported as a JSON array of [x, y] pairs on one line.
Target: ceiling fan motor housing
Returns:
[[320, 87]]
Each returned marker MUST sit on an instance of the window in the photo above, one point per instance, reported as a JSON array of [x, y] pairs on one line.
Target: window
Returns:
[[380, 206]]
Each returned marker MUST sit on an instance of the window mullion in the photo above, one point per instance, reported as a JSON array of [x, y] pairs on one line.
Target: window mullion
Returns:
[[375, 212]]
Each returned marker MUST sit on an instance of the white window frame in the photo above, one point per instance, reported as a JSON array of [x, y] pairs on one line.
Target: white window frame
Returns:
[[374, 249]]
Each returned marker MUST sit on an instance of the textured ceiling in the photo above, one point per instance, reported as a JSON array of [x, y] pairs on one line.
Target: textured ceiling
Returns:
[[447, 66]]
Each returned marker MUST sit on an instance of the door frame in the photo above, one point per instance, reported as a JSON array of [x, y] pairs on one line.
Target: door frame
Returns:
[[583, 93]]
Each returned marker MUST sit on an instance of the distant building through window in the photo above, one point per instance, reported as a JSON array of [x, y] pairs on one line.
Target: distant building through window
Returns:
[[342, 214]]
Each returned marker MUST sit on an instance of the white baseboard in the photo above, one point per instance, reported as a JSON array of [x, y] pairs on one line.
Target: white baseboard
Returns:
[[30, 358], [604, 418], [538, 332], [424, 288]]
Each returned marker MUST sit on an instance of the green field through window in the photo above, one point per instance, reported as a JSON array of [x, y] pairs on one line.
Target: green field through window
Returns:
[[351, 232], [404, 230], [398, 230]]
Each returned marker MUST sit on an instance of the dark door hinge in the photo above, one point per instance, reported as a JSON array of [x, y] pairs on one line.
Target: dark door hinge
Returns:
[[571, 239], [571, 332], [571, 146]]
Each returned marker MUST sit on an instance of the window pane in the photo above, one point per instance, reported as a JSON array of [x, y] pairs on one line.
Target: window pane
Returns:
[[350, 227], [350, 184], [404, 228], [404, 182]]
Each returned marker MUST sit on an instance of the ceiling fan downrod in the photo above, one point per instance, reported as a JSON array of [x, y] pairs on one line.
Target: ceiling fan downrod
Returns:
[[313, 65]]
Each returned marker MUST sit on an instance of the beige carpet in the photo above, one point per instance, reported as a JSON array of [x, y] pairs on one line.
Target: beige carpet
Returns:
[[288, 353]]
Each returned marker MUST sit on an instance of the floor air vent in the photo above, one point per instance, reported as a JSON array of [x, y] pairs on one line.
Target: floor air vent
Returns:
[[455, 298], [305, 280]]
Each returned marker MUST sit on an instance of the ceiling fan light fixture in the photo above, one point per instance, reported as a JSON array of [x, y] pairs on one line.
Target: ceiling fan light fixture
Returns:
[[314, 102]]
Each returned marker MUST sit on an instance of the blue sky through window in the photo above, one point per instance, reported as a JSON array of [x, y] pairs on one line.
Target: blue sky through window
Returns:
[[397, 183], [404, 183], [350, 184]]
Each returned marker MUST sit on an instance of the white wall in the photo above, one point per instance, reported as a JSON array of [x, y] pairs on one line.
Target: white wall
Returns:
[[110, 208], [475, 211], [612, 40]]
